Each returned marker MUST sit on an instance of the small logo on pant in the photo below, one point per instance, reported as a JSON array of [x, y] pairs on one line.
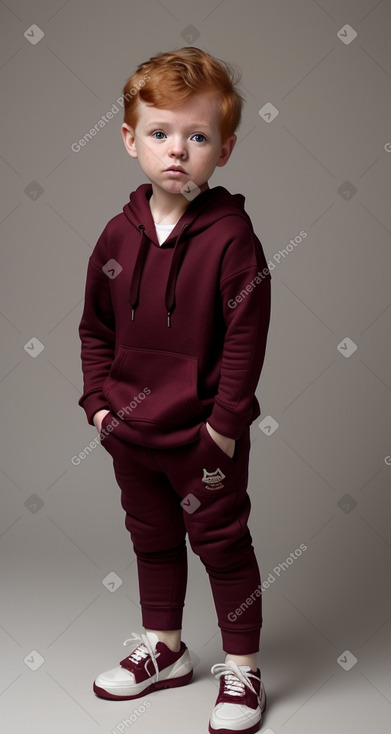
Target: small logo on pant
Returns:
[[213, 479]]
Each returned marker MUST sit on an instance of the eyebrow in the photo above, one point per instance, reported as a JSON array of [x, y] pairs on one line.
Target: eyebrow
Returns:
[[162, 124]]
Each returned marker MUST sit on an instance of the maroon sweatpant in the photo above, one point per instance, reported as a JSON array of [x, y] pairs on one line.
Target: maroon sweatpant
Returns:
[[195, 489]]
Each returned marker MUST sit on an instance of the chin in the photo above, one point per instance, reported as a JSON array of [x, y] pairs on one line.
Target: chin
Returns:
[[174, 188]]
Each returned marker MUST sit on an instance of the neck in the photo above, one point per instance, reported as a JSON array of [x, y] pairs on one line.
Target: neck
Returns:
[[168, 208]]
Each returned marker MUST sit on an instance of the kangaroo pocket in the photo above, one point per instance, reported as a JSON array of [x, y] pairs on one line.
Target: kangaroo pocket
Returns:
[[153, 386]]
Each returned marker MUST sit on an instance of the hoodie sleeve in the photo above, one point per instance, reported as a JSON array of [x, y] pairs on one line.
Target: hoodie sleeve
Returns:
[[96, 331], [246, 301]]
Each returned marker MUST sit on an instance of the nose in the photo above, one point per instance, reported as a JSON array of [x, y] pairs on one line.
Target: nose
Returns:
[[177, 148]]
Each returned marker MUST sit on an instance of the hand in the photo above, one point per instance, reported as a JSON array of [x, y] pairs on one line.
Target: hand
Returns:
[[98, 418], [224, 442]]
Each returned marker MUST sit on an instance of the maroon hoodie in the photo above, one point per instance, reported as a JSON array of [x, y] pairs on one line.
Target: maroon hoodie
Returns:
[[174, 335]]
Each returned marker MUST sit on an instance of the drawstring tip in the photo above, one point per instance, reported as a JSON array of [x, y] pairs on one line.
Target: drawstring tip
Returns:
[[168, 319], [132, 314]]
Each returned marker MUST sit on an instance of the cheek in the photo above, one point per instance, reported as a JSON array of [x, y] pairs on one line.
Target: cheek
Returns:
[[147, 157], [147, 148], [205, 159]]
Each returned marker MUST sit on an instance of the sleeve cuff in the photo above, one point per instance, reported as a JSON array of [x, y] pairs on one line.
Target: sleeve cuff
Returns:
[[92, 403], [230, 423]]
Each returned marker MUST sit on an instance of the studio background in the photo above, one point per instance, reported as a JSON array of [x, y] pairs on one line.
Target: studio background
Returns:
[[313, 156]]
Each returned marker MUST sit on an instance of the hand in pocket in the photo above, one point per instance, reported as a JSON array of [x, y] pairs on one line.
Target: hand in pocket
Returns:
[[225, 443], [98, 418]]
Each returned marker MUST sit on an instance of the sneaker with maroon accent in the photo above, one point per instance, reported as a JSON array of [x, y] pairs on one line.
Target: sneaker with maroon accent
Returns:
[[241, 700], [149, 667]]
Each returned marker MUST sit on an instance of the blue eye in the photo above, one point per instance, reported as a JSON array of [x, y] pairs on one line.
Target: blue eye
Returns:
[[162, 135], [199, 135]]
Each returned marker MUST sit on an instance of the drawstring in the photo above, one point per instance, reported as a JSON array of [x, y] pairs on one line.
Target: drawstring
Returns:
[[179, 249], [138, 269]]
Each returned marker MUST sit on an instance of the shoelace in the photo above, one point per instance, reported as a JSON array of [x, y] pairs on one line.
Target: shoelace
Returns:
[[235, 680], [142, 651]]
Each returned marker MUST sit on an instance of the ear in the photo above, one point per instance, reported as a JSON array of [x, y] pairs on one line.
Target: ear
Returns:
[[226, 150], [128, 136]]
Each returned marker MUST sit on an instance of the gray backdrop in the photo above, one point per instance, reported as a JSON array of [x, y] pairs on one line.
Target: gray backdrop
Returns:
[[313, 156]]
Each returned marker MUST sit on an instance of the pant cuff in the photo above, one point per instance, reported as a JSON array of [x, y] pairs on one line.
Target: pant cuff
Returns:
[[246, 642], [162, 618]]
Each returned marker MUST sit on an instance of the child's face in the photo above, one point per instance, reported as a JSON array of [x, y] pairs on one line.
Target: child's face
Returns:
[[186, 136]]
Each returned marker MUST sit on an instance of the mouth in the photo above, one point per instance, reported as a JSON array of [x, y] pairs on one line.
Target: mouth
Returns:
[[174, 169]]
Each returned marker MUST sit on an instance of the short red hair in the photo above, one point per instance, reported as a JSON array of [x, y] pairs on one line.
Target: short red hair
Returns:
[[168, 79]]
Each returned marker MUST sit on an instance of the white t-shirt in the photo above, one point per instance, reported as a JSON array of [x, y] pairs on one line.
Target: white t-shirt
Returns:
[[163, 230]]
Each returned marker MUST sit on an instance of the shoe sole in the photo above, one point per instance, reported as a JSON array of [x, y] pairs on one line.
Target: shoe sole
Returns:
[[252, 730], [158, 686]]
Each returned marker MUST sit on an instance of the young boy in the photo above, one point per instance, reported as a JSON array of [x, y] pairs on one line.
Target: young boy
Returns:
[[173, 333]]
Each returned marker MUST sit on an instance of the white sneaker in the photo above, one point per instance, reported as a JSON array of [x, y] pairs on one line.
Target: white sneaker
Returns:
[[150, 667], [240, 703]]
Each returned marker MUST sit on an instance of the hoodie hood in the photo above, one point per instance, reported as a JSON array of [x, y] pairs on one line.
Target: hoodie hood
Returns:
[[212, 204]]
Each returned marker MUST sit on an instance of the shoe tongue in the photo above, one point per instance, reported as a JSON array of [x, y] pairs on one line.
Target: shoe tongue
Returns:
[[244, 668]]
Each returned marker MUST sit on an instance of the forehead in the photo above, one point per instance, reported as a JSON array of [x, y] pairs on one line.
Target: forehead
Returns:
[[201, 109]]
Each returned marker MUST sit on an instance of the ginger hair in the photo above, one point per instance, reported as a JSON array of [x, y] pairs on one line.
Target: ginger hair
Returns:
[[169, 79]]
